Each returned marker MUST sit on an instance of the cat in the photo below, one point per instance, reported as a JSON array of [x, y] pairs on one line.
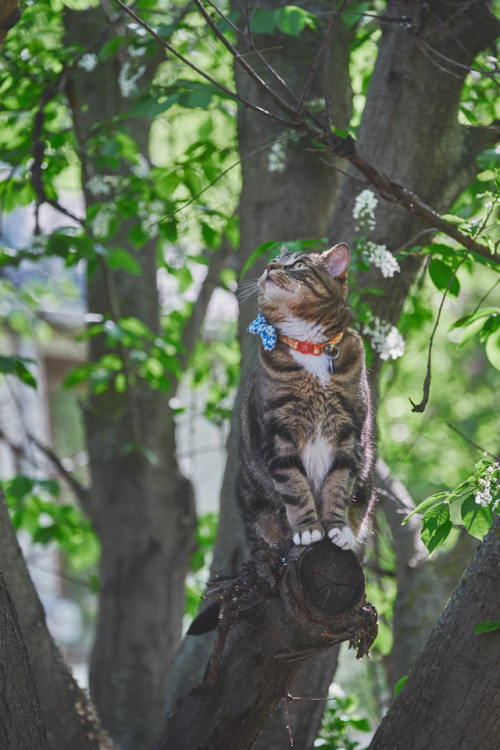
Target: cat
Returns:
[[306, 450], [306, 446]]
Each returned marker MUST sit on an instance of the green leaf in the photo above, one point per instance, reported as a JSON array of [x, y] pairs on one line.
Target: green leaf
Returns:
[[489, 159], [122, 259], [432, 500], [136, 327], [483, 312], [263, 21], [493, 349], [18, 487], [77, 375], [399, 685], [293, 20], [486, 626], [265, 247], [15, 365], [441, 274], [437, 526], [476, 518]]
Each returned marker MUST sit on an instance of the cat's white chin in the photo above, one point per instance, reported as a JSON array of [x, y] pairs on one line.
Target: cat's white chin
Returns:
[[343, 537], [305, 538]]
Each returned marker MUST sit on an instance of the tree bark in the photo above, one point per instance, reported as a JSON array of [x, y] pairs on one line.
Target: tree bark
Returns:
[[21, 719], [10, 13], [280, 206], [69, 715], [317, 599], [451, 699], [144, 510], [409, 131]]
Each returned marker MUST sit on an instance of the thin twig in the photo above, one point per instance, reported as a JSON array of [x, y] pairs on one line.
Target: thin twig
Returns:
[[427, 382], [232, 94], [278, 100], [248, 37], [471, 442]]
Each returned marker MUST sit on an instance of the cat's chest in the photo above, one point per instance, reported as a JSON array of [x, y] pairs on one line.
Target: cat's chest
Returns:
[[319, 366], [317, 454]]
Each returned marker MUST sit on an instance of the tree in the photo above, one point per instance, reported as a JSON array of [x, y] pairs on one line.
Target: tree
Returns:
[[405, 142]]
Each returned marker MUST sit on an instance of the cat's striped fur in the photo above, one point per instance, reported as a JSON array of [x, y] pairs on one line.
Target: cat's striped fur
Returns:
[[306, 449]]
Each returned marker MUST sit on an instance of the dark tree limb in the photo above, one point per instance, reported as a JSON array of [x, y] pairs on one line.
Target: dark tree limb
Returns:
[[456, 677], [274, 616], [70, 718], [21, 720]]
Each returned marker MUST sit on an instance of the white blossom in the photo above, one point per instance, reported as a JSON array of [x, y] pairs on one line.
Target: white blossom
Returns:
[[141, 169], [98, 185], [483, 495], [137, 51], [102, 220], [382, 258], [276, 159], [364, 207], [87, 62], [127, 80], [150, 215], [385, 338]]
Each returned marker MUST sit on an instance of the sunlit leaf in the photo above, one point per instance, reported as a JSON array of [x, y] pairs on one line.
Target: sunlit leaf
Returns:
[[486, 626], [493, 349], [476, 518]]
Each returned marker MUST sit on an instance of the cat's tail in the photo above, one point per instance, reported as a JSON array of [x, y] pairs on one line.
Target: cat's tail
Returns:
[[206, 621]]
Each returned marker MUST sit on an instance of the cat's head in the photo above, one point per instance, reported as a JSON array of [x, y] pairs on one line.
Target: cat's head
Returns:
[[307, 287]]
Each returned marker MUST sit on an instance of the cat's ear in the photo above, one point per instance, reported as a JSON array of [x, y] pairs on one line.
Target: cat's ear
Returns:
[[336, 260], [284, 250]]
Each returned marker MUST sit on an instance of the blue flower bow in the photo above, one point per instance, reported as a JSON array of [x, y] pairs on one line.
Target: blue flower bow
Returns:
[[261, 327]]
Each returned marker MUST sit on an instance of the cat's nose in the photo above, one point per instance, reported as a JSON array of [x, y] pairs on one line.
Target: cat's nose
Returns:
[[272, 265]]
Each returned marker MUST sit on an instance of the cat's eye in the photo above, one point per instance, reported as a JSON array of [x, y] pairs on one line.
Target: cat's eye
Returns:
[[299, 266]]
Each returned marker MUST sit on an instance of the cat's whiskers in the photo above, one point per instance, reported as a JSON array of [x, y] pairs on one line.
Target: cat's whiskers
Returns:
[[247, 289]]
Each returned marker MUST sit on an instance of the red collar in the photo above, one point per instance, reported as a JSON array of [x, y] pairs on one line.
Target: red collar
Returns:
[[307, 347]]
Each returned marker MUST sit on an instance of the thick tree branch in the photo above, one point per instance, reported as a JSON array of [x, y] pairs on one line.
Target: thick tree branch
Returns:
[[275, 615], [21, 718], [456, 668], [69, 716]]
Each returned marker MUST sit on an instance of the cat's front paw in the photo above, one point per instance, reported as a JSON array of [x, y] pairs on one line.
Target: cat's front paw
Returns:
[[310, 536], [342, 537]]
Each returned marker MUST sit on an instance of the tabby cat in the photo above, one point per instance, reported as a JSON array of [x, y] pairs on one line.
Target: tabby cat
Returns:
[[306, 450]]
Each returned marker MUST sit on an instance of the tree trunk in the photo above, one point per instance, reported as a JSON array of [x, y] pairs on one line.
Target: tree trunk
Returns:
[[143, 506], [409, 131], [10, 13], [69, 715], [451, 699], [316, 599], [280, 206], [21, 720]]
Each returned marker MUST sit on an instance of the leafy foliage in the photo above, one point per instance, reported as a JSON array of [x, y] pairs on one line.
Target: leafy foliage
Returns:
[[34, 507], [478, 497], [339, 722]]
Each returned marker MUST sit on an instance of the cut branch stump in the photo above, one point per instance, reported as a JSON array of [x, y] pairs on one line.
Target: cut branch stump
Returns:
[[273, 616]]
